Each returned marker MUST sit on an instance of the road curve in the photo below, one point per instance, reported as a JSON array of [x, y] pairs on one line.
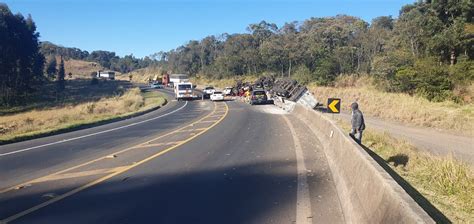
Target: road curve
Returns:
[[46, 155], [230, 163]]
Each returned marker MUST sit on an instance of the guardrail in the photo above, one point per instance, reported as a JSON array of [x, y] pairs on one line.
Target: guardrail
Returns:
[[368, 194]]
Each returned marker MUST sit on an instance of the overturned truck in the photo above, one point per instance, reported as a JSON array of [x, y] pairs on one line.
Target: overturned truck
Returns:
[[286, 93]]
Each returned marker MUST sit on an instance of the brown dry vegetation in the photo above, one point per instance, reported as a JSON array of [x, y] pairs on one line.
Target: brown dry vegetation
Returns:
[[80, 69], [445, 181], [400, 107], [141, 75], [66, 116], [76, 91]]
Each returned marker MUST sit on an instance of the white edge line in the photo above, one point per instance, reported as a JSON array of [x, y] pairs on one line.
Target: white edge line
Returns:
[[303, 203], [92, 134]]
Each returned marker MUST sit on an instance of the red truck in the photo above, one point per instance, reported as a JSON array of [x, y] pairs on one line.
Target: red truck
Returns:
[[165, 79]]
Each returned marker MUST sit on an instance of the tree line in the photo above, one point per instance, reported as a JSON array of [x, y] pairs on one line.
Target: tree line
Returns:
[[21, 63], [26, 64], [427, 50], [107, 59]]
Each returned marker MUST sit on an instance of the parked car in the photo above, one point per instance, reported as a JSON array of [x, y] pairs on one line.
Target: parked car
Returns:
[[217, 96], [258, 97], [227, 91], [209, 90], [156, 85]]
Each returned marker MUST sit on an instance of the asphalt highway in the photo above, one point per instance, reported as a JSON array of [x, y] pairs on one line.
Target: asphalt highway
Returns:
[[188, 162]]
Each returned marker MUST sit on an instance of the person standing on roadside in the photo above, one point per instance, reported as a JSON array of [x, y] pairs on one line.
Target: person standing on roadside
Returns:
[[358, 124]]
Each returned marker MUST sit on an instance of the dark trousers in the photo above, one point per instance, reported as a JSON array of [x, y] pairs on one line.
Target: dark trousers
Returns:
[[357, 136]]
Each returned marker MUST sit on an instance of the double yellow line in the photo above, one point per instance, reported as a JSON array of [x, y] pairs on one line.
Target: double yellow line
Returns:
[[117, 172]]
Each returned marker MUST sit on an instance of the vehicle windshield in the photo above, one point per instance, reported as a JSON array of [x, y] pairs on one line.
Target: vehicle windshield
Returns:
[[184, 87], [217, 92], [209, 87]]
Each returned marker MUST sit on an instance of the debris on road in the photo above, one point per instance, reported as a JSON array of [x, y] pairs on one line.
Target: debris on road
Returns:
[[284, 92]]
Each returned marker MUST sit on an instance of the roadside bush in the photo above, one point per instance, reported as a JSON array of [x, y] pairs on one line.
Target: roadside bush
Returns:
[[89, 108], [303, 75], [462, 73], [133, 100], [385, 67], [326, 71], [426, 78]]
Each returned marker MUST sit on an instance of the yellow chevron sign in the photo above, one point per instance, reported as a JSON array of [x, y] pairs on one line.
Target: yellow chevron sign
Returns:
[[334, 105]]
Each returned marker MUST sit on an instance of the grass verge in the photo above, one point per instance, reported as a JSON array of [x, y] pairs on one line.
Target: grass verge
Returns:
[[445, 181], [400, 107], [36, 123]]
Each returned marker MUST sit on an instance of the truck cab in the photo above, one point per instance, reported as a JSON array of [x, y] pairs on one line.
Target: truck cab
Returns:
[[184, 90]]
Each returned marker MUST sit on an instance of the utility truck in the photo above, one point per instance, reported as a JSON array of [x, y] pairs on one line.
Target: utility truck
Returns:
[[184, 91]]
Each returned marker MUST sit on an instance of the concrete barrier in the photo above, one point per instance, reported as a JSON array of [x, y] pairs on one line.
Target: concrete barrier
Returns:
[[367, 193]]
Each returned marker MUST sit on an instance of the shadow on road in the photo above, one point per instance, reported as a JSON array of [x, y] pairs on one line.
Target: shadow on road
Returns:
[[250, 193]]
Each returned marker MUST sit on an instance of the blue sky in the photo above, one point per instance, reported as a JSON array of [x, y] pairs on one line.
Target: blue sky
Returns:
[[143, 27]]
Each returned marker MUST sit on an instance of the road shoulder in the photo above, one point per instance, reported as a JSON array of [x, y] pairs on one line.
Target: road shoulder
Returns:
[[325, 204]]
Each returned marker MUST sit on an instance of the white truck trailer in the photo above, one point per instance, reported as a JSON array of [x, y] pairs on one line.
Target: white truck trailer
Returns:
[[106, 75]]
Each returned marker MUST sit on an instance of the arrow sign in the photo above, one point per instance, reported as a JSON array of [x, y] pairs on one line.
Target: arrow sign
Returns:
[[334, 105]]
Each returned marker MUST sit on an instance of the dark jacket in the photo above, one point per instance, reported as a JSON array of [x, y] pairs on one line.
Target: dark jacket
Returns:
[[357, 120], [358, 123]]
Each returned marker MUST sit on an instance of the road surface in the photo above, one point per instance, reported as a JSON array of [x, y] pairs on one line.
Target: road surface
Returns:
[[189, 162]]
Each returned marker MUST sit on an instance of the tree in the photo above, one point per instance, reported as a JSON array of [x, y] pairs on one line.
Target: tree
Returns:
[[303, 75], [51, 68], [21, 64], [61, 76], [393, 51]]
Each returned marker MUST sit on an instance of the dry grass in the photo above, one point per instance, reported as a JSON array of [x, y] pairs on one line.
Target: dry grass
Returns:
[[80, 69], [77, 91], [403, 108], [141, 75], [445, 181], [222, 83], [37, 122]]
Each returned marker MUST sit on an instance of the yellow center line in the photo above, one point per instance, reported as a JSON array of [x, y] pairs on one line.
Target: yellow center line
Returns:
[[158, 144], [119, 171], [210, 121], [106, 156], [191, 130], [79, 174]]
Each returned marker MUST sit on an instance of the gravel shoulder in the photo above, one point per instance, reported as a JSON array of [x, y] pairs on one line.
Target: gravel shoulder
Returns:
[[433, 141]]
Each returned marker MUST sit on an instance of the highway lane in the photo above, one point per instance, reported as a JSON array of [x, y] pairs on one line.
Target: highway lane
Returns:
[[243, 170], [25, 165]]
